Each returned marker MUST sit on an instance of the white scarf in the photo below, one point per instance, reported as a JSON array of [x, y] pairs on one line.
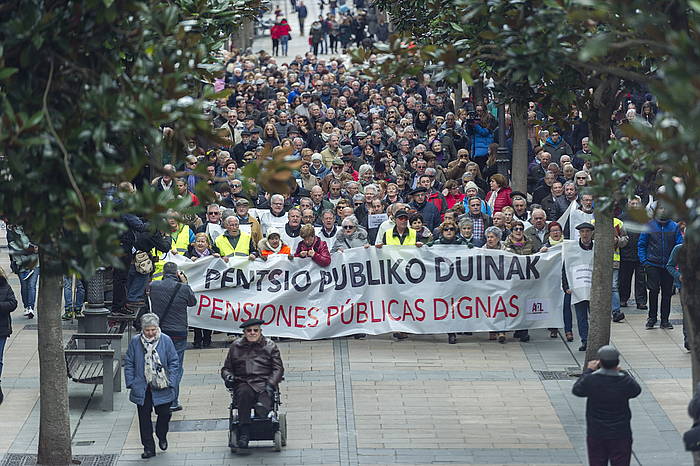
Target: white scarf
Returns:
[[153, 368]]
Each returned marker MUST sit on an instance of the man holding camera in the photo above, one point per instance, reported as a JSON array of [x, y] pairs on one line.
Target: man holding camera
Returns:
[[253, 368], [169, 299], [608, 389]]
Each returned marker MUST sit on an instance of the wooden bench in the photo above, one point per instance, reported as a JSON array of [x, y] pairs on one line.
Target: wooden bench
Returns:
[[96, 366]]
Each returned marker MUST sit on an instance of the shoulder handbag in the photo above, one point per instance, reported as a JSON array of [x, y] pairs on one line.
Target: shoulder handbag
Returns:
[[137, 322]]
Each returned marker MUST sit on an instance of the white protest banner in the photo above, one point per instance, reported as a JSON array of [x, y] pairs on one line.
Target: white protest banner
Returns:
[[578, 264], [375, 220], [214, 231], [394, 289], [571, 218]]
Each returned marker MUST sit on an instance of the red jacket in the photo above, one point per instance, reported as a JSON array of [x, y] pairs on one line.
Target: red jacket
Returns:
[[502, 199], [322, 257], [280, 30]]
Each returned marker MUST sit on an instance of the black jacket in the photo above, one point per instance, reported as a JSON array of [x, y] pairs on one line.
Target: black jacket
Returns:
[[174, 324], [8, 303], [608, 412]]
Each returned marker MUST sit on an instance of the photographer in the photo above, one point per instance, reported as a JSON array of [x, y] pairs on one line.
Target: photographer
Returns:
[[169, 299], [480, 139], [608, 389]]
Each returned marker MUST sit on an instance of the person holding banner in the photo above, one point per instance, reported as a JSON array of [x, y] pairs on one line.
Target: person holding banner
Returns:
[[519, 244], [581, 306], [273, 244], [556, 237], [448, 235], [234, 242], [313, 247], [401, 234], [202, 247], [351, 236]]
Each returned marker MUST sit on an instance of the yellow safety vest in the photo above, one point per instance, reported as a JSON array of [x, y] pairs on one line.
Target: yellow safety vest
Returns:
[[242, 247], [392, 240], [180, 245], [617, 224]]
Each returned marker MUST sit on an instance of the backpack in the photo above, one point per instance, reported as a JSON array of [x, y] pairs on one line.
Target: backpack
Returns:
[[143, 263]]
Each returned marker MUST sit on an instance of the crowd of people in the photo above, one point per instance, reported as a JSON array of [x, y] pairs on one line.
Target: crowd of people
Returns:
[[395, 164], [340, 28]]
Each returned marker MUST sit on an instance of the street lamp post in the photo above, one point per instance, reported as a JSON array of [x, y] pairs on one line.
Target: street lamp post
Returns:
[[502, 157], [95, 314]]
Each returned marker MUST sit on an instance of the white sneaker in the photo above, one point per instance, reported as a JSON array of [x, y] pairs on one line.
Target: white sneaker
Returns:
[[29, 313]]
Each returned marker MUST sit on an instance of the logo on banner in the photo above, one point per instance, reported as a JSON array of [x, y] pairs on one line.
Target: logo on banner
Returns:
[[537, 309]]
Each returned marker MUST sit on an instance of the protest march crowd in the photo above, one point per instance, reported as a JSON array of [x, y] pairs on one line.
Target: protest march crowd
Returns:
[[379, 164]]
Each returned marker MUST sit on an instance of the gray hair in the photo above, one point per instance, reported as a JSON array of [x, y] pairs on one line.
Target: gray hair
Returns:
[[277, 197], [495, 230], [372, 187], [350, 220], [364, 168], [150, 320], [570, 183], [465, 222], [226, 220]]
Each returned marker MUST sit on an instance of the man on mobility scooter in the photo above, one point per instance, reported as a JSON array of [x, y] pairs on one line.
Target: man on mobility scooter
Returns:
[[253, 370]]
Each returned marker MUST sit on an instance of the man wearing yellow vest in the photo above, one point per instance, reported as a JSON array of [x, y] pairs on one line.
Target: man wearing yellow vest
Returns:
[[400, 235], [181, 237], [234, 242]]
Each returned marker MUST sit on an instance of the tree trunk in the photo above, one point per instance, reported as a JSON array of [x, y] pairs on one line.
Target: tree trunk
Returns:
[[602, 104], [519, 160], [54, 422], [601, 293], [689, 262]]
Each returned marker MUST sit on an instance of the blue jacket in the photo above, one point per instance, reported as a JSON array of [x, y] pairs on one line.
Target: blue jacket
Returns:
[[481, 138], [657, 241], [431, 216], [672, 266], [134, 366]]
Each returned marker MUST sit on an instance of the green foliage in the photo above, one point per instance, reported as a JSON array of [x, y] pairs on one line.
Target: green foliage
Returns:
[[85, 87]]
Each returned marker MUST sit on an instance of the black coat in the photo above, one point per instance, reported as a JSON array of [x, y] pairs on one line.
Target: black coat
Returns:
[[8, 303]]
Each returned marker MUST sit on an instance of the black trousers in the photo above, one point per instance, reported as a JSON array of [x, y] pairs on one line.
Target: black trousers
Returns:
[[627, 269], [146, 425], [659, 280], [246, 398], [616, 451], [119, 285], [202, 336]]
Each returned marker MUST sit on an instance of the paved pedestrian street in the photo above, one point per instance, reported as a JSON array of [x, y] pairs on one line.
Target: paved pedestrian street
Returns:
[[378, 401]]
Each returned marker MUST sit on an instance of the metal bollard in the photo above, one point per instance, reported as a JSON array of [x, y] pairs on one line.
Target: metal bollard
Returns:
[[95, 320]]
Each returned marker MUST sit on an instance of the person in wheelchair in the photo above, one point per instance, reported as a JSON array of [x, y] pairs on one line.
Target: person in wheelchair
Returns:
[[253, 369]]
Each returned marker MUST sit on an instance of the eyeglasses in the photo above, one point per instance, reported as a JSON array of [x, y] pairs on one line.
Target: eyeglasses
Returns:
[[580, 177], [518, 229], [348, 227], [449, 229], [252, 330], [214, 213], [358, 204]]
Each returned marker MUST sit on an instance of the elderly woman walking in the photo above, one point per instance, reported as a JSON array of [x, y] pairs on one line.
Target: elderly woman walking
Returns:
[[151, 369]]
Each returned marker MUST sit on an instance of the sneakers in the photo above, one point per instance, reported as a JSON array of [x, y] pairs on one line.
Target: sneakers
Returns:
[[618, 316], [29, 313], [624, 304], [667, 325], [583, 347], [642, 307], [68, 315], [650, 323]]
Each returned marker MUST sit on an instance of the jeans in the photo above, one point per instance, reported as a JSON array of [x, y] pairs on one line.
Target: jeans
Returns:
[[135, 285], [69, 305], [2, 351], [658, 279], [568, 326], [615, 291], [582, 309], [28, 287], [180, 345], [146, 425], [284, 40], [627, 269]]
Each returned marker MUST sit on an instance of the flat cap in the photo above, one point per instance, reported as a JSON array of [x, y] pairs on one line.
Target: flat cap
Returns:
[[251, 322]]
